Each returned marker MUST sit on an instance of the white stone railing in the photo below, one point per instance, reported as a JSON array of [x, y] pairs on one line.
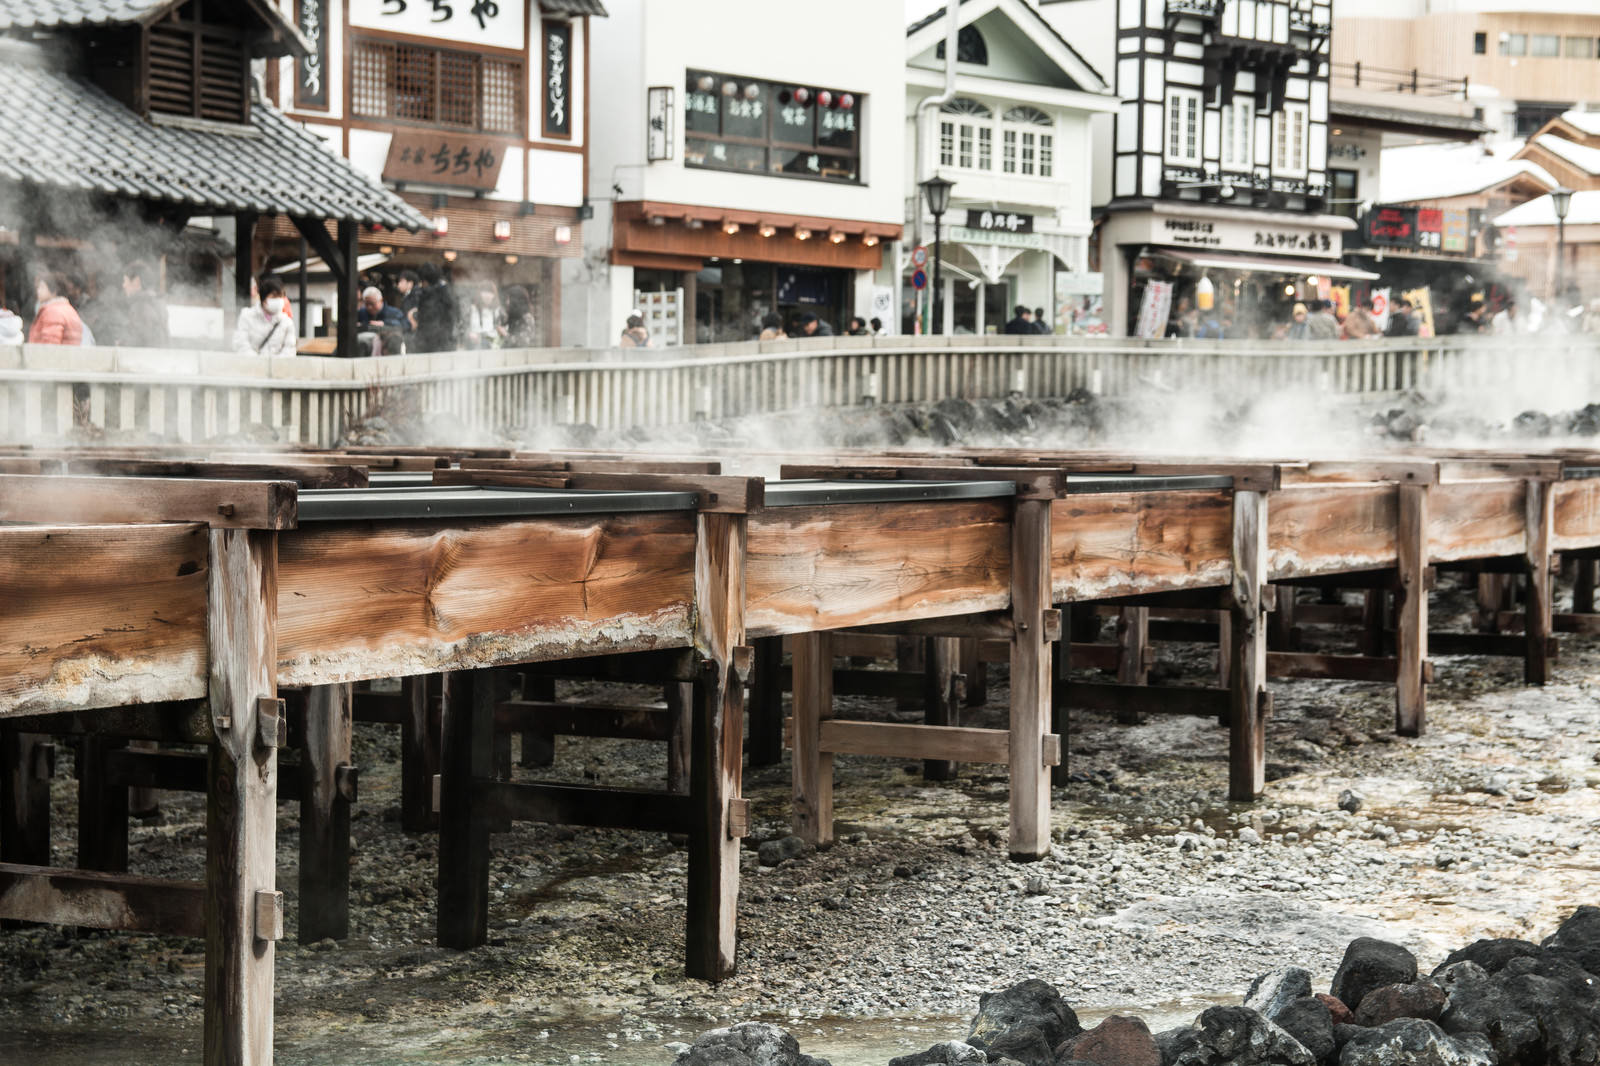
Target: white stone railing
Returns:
[[48, 392]]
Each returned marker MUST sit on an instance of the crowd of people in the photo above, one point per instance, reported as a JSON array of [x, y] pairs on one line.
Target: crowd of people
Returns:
[[421, 311], [72, 309]]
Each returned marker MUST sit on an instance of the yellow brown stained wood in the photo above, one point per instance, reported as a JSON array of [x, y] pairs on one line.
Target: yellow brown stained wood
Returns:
[[101, 616], [1119, 544], [1575, 514], [1476, 519], [56, 498], [836, 566], [391, 599], [1328, 529]]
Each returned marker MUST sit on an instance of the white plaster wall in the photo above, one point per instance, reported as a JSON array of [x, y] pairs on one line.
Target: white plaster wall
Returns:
[[555, 178]]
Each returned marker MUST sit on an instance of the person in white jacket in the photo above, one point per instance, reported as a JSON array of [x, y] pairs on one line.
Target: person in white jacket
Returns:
[[265, 328]]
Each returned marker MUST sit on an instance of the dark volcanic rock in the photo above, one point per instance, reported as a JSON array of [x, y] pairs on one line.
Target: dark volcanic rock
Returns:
[[1031, 1004], [1421, 999], [1272, 992], [1490, 954], [1414, 1042], [948, 1053], [1370, 963], [746, 1044], [1337, 1010], [777, 852], [1579, 938], [1168, 1041], [1558, 967], [1026, 1044], [1236, 1036], [1530, 1019], [1117, 1041], [1309, 1021]]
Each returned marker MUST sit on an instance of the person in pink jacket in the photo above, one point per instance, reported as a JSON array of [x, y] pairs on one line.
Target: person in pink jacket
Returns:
[[55, 322]]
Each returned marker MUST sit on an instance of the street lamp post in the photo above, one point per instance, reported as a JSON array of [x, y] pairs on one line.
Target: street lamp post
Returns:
[[1561, 200], [937, 190]]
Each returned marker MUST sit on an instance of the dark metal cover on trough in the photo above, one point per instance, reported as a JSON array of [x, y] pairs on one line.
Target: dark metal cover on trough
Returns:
[[477, 501], [804, 492], [1087, 483]]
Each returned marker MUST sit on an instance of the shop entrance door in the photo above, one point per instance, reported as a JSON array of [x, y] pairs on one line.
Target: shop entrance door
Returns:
[[981, 308]]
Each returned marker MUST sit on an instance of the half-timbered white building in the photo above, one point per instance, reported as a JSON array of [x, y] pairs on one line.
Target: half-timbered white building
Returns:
[[1220, 159]]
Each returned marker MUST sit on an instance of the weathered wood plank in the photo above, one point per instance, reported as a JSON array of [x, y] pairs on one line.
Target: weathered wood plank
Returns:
[[133, 634], [241, 809], [306, 475], [391, 599], [1575, 514], [1247, 703], [839, 566], [812, 769], [1124, 544], [1322, 529], [911, 741], [102, 900], [1476, 519], [1537, 606], [570, 719], [65, 499], [1411, 609]]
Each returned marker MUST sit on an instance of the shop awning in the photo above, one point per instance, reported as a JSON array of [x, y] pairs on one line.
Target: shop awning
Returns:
[[1273, 265]]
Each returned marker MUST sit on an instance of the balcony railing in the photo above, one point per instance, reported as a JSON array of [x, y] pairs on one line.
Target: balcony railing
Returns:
[[1360, 75]]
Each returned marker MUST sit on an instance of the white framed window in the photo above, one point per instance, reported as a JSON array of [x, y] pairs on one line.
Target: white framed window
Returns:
[[947, 144], [966, 135], [1031, 151], [1290, 128], [1183, 126], [1238, 125], [1008, 140]]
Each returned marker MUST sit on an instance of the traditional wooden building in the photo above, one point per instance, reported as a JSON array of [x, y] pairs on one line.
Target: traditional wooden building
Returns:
[[1220, 158], [476, 114], [127, 124]]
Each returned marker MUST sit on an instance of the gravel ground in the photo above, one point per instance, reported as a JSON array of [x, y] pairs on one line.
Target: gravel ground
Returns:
[[1159, 897]]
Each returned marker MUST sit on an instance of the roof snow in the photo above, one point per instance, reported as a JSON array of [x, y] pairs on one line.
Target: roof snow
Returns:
[[1438, 171], [1584, 158], [1584, 211]]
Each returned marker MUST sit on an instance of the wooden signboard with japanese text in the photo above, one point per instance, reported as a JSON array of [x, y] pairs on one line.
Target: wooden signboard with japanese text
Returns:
[[418, 157], [556, 109]]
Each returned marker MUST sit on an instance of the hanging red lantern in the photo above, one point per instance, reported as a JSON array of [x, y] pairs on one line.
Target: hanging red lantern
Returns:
[[846, 101], [824, 98], [802, 96]]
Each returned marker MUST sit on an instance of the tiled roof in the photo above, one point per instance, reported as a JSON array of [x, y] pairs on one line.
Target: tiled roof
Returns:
[[24, 14], [64, 133], [572, 7]]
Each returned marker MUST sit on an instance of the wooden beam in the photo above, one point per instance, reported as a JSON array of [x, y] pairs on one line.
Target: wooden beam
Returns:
[[1031, 596], [569, 719], [99, 900], [991, 625], [649, 810], [717, 744], [325, 816], [722, 495], [1411, 609], [1504, 645], [346, 280], [241, 808], [813, 708], [1248, 707], [466, 756], [912, 741], [47, 498], [1411, 472], [1540, 501], [306, 475], [420, 731], [1341, 667]]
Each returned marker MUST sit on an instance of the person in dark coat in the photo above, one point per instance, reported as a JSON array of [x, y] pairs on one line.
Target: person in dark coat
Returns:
[[1039, 324], [812, 326], [143, 312], [438, 317], [1021, 321], [1402, 323]]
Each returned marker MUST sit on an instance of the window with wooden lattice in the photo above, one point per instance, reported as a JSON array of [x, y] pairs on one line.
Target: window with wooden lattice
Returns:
[[437, 87], [197, 63]]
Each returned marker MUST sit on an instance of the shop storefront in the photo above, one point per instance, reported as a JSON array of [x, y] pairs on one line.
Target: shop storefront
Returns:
[[1423, 254], [1257, 264]]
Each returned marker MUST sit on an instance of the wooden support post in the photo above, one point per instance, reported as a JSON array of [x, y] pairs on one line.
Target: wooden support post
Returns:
[[1583, 582], [910, 658], [975, 670], [812, 767], [1030, 680], [717, 745], [26, 761], [347, 280], [1541, 499], [1411, 631], [325, 815], [680, 704], [1491, 601], [102, 809], [766, 703], [466, 752], [1224, 649], [419, 751], [241, 807], [1133, 644], [538, 745], [1280, 624], [939, 707], [1374, 605], [1247, 748]]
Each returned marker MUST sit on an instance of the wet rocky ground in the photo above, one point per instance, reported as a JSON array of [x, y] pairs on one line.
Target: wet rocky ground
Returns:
[[1160, 897]]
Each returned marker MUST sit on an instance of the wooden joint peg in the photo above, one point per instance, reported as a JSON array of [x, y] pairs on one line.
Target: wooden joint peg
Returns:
[[1264, 704], [269, 915], [345, 781], [742, 662], [738, 819], [272, 725], [1050, 624]]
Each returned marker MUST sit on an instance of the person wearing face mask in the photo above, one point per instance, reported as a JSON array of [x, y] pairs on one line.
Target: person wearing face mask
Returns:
[[264, 328]]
